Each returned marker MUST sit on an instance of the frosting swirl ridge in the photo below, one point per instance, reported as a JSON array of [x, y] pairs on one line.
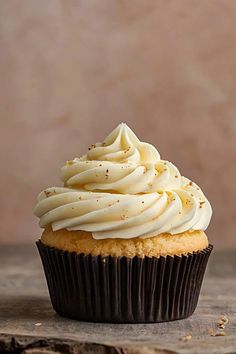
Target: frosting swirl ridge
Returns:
[[122, 189]]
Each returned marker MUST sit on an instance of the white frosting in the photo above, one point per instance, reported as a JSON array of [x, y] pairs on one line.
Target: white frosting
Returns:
[[122, 189]]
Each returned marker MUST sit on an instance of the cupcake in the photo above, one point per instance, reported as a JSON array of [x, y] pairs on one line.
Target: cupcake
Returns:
[[124, 238]]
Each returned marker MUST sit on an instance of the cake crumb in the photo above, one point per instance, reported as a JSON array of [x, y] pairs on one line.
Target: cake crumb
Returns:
[[222, 322], [220, 334], [216, 333], [186, 338]]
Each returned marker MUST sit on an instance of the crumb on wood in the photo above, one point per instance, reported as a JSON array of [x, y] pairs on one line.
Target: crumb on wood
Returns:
[[222, 322], [38, 324], [216, 333], [186, 338]]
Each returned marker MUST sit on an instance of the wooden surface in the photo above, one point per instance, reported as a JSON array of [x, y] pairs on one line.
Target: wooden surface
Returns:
[[28, 324]]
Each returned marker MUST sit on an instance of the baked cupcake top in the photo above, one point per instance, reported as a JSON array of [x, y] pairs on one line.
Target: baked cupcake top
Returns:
[[122, 189]]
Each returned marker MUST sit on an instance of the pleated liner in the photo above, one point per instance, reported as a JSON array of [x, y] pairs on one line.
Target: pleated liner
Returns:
[[121, 289]]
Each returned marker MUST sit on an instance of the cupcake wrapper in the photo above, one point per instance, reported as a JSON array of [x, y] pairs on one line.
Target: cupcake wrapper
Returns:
[[121, 289]]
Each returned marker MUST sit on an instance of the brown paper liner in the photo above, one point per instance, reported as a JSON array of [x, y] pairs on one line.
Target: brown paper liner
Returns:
[[121, 289]]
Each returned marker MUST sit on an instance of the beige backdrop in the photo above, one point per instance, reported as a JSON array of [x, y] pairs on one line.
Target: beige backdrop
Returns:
[[72, 70]]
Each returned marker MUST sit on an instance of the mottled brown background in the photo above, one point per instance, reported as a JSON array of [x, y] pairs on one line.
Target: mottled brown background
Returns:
[[72, 70]]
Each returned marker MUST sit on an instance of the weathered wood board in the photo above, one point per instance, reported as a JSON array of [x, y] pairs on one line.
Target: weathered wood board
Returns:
[[28, 324]]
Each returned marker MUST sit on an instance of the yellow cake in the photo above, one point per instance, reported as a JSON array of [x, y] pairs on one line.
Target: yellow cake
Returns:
[[161, 245]]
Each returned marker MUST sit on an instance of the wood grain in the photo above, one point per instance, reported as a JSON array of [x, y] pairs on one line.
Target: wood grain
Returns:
[[29, 325]]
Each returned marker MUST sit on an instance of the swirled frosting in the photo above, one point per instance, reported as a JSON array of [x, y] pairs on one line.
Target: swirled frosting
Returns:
[[122, 189]]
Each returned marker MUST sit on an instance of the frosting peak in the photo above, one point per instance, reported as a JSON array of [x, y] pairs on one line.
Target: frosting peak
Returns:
[[122, 188], [122, 145]]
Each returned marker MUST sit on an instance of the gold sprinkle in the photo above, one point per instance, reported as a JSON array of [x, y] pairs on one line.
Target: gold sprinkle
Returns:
[[127, 150], [92, 146], [49, 193], [143, 201], [201, 204], [70, 162], [176, 176]]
